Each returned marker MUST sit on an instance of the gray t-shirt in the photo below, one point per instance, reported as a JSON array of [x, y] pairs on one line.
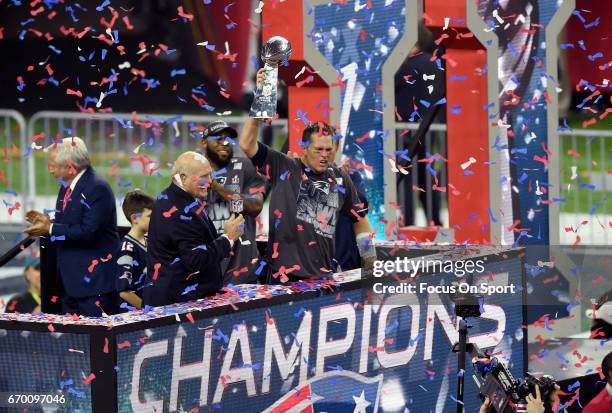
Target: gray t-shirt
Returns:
[[239, 177], [304, 209]]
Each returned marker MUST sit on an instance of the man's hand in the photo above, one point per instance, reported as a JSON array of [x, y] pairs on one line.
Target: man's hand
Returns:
[[261, 76], [41, 224], [40, 229], [234, 227], [32, 216], [345, 165], [486, 406], [535, 404]]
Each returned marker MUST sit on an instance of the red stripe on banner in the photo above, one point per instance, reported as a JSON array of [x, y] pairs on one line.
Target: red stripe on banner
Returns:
[[295, 399]]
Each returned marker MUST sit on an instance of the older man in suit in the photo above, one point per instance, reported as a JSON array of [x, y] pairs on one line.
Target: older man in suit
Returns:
[[185, 251], [84, 230]]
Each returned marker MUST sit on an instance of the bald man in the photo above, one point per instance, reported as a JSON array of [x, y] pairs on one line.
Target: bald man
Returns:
[[185, 251]]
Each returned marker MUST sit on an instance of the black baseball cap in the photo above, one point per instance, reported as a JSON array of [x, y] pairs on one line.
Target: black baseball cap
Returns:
[[216, 127]]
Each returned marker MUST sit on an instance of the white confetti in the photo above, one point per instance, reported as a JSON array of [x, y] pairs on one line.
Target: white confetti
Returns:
[[301, 72], [574, 172], [467, 164]]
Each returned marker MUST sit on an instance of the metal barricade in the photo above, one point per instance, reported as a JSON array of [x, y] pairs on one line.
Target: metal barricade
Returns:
[[126, 149], [14, 151], [585, 178], [586, 186]]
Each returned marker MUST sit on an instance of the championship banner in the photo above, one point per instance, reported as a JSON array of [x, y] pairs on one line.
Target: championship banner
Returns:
[[329, 353]]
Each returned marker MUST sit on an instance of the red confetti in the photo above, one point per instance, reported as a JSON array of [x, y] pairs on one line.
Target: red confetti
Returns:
[[182, 13], [75, 92], [126, 343], [190, 318], [275, 250], [168, 213], [156, 270], [89, 379], [93, 265]]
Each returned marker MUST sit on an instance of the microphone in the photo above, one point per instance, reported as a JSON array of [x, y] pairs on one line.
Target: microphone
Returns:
[[236, 204]]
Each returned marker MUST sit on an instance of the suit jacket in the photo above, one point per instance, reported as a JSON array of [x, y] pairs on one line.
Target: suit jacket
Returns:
[[88, 227], [184, 251]]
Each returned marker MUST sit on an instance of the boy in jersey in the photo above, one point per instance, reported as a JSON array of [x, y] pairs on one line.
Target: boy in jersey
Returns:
[[132, 261]]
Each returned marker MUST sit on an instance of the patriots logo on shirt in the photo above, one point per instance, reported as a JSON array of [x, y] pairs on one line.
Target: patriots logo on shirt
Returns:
[[322, 186], [340, 391]]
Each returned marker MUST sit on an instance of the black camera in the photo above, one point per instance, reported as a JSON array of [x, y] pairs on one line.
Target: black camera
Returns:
[[507, 394]]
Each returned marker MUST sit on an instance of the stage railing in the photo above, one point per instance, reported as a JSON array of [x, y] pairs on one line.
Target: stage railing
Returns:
[[586, 183], [13, 142]]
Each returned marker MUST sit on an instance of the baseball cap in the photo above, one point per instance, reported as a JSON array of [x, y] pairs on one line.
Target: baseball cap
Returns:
[[216, 127]]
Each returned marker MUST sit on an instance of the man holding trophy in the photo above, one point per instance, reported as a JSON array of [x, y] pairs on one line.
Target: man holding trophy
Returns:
[[307, 193]]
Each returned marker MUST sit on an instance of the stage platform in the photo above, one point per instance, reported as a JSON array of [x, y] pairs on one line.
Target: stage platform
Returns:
[[260, 348]]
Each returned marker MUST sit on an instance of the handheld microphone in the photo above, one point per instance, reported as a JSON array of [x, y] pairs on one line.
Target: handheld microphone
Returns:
[[236, 204]]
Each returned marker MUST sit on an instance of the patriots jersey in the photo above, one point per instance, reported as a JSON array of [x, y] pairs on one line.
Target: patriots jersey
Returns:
[[132, 265]]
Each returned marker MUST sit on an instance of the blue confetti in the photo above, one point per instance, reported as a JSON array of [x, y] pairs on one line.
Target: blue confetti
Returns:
[[597, 205], [55, 49], [189, 289], [178, 72], [192, 205], [68, 382], [103, 5], [491, 215]]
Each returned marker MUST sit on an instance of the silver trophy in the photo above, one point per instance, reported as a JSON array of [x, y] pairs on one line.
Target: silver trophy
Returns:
[[274, 52]]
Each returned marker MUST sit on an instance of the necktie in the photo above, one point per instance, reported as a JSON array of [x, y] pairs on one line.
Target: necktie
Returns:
[[66, 196]]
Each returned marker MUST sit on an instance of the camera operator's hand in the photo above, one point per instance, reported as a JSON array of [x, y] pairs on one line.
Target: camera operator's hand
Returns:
[[234, 227], [486, 406], [535, 404]]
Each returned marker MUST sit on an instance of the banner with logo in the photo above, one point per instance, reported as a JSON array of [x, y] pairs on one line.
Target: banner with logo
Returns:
[[325, 354]]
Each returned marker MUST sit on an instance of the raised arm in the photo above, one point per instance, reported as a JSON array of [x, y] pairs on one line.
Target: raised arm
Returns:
[[248, 137], [250, 130]]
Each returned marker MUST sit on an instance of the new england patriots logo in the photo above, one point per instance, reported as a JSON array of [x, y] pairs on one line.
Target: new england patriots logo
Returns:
[[334, 391], [322, 186]]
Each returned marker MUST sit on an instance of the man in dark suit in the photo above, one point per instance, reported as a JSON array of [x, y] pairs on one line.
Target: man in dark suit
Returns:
[[84, 230], [185, 251]]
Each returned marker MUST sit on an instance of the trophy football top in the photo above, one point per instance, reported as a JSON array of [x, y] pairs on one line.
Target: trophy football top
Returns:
[[276, 50]]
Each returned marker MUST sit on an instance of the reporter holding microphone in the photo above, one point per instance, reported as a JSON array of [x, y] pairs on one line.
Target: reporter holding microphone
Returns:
[[185, 251]]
